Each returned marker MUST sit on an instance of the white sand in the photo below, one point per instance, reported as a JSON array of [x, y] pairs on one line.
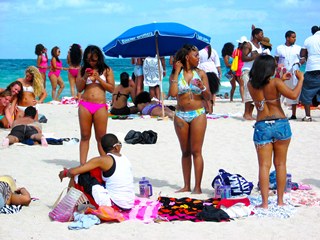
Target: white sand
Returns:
[[228, 145]]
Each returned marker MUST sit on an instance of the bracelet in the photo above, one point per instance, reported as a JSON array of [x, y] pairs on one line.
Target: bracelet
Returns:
[[202, 90], [174, 81], [65, 172]]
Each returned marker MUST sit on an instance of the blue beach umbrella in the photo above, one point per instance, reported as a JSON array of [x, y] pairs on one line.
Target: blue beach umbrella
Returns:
[[155, 39], [162, 39]]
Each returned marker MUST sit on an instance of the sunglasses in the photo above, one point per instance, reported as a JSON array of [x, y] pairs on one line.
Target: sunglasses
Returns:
[[117, 144], [92, 60]]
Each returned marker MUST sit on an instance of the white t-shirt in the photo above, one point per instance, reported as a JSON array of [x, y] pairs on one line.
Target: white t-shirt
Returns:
[[288, 55], [312, 44], [209, 64]]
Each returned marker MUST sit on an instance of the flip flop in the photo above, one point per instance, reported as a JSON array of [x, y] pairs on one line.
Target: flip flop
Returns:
[[304, 186]]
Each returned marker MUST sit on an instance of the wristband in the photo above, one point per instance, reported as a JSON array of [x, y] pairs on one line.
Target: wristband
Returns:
[[202, 90], [174, 81]]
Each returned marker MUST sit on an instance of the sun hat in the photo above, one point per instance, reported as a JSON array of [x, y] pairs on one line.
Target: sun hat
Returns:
[[243, 39], [8, 179], [266, 42]]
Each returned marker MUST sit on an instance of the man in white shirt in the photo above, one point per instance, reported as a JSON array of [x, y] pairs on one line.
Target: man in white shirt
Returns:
[[288, 57], [251, 50], [311, 85]]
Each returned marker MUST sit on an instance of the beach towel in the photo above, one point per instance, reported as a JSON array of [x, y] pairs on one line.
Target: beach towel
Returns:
[[144, 210], [10, 209], [106, 214], [173, 209]]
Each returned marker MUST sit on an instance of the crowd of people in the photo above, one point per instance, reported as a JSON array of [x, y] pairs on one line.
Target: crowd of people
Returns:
[[264, 82]]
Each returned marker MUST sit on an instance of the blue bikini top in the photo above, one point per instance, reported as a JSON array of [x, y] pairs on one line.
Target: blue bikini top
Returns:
[[184, 87]]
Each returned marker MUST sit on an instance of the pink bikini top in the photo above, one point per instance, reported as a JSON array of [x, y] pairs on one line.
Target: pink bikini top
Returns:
[[89, 81], [44, 61]]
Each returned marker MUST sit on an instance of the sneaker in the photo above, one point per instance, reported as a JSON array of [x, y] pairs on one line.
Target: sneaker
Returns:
[[307, 119], [293, 117]]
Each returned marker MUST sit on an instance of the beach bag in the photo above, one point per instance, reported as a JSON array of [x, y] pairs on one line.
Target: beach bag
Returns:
[[133, 137], [235, 62], [239, 185], [63, 210], [149, 137], [145, 137], [210, 213]]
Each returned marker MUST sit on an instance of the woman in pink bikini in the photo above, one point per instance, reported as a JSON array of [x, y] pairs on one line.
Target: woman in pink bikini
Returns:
[[42, 61], [94, 80], [74, 61], [54, 74]]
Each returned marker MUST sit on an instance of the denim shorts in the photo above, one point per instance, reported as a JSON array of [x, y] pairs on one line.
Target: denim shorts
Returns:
[[269, 131]]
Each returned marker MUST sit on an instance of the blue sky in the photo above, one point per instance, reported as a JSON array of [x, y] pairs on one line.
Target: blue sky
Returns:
[[23, 24]]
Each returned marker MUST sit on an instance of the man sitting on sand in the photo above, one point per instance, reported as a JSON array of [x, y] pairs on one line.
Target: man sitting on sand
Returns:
[[25, 128]]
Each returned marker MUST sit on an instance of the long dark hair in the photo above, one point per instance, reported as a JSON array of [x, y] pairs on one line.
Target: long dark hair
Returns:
[[75, 54], [54, 53], [93, 50], [227, 49], [10, 86], [124, 79], [262, 70]]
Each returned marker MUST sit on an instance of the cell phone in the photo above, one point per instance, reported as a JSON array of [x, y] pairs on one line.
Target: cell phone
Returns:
[[89, 70]]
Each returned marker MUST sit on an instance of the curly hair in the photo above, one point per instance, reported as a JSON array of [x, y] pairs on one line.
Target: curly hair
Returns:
[[227, 49], [36, 80]]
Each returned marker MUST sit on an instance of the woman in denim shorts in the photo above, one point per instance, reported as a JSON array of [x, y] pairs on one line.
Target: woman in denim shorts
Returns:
[[272, 131]]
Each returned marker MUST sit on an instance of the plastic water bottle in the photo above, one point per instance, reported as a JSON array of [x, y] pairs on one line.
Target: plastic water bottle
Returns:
[[217, 188], [289, 182], [145, 188]]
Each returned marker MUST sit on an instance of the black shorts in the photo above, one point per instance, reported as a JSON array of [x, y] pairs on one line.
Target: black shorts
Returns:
[[23, 132], [121, 111]]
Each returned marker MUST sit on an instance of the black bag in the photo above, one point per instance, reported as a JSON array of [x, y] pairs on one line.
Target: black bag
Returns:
[[146, 137], [149, 137], [133, 137]]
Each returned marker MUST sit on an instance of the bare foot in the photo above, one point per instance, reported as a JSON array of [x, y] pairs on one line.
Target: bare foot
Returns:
[[282, 204], [5, 142], [44, 142], [262, 205], [185, 189], [196, 191]]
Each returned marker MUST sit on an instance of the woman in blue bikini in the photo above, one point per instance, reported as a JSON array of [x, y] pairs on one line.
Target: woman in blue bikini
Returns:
[[272, 132], [190, 85], [94, 80]]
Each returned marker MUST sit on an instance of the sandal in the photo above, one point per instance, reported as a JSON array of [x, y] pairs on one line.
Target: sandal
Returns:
[[307, 119]]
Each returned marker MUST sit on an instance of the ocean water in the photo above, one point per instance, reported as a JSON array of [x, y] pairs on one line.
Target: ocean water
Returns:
[[12, 69]]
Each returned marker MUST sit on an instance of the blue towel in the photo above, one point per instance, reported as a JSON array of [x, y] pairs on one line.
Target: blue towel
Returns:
[[83, 221]]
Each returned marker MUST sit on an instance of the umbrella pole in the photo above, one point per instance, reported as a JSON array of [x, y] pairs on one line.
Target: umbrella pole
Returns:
[[160, 75]]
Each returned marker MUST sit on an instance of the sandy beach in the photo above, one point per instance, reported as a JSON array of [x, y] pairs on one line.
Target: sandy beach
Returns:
[[228, 145]]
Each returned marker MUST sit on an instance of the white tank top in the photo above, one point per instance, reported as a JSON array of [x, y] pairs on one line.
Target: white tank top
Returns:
[[120, 184], [248, 65]]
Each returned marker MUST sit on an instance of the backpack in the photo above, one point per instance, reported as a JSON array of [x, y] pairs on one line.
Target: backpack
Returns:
[[239, 185]]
